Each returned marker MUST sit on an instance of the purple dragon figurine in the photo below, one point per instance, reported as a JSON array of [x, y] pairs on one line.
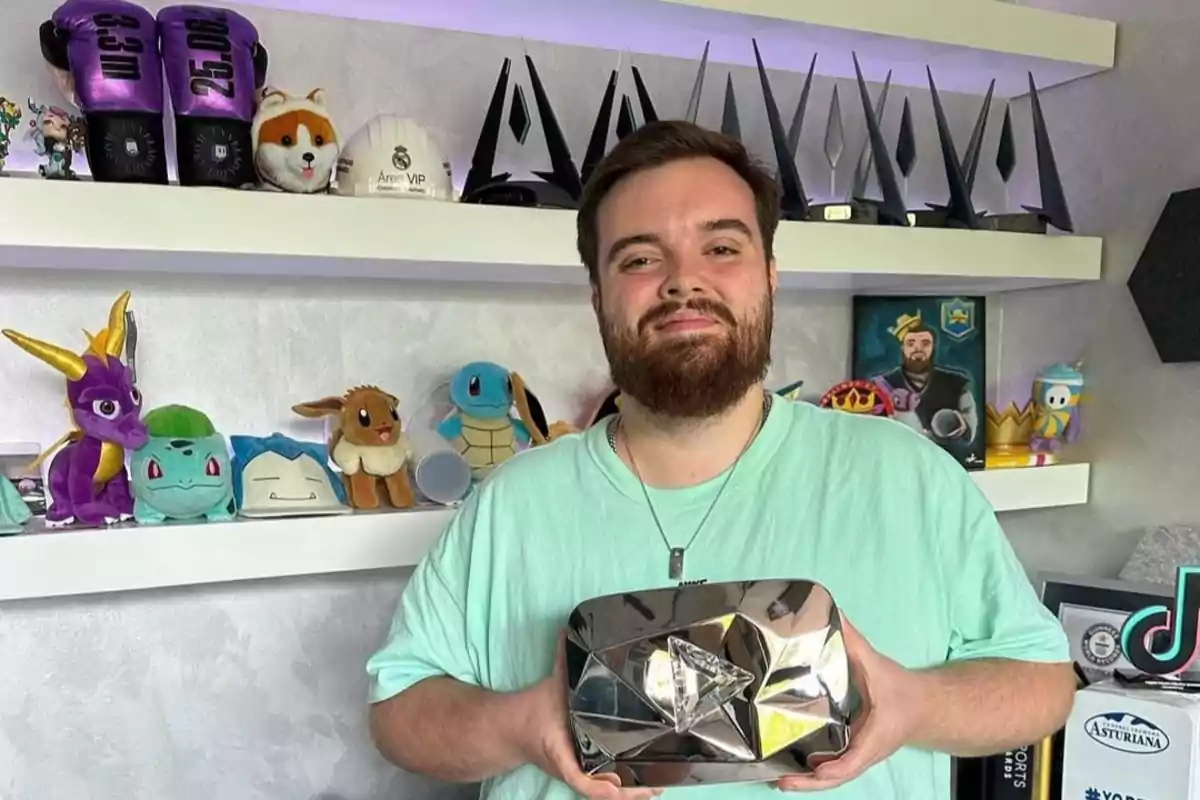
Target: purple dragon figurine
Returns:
[[88, 482]]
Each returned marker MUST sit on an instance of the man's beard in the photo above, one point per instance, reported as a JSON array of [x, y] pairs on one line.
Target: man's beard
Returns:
[[690, 377], [917, 366]]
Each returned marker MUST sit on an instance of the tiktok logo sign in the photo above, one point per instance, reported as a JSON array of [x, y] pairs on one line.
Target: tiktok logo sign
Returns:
[[1182, 645]]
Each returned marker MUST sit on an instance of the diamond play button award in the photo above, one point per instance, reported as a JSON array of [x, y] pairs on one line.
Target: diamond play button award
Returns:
[[711, 683]]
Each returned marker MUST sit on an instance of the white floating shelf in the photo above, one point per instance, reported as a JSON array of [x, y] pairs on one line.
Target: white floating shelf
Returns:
[[1035, 487], [53, 563], [965, 42], [142, 228], [130, 557]]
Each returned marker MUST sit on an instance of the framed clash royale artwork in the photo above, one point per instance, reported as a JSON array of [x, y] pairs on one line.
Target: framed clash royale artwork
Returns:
[[927, 355]]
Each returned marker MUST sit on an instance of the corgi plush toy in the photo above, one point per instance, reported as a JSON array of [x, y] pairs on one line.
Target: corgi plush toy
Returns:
[[296, 144]]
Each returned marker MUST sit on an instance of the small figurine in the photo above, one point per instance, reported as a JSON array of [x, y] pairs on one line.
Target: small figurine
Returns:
[[1056, 394], [278, 476], [183, 471], [88, 482], [296, 144], [14, 513], [859, 397], [368, 444], [57, 136], [10, 119], [480, 427]]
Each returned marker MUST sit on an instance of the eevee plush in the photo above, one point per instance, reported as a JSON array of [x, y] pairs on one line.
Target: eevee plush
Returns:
[[368, 445]]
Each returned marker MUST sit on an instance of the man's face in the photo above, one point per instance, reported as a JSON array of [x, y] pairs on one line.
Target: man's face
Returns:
[[684, 293], [917, 351]]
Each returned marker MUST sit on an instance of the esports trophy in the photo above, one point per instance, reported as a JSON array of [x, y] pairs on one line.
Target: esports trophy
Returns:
[[626, 122], [730, 126], [891, 210], [1054, 211], [693, 106], [959, 211], [856, 208], [906, 147], [835, 139], [709, 683], [794, 202], [598, 142], [648, 112], [849, 210], [1006, 151], [558, 188]]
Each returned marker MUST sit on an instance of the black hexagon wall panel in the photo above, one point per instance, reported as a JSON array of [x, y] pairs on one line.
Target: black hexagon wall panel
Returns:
[[1165, 284]]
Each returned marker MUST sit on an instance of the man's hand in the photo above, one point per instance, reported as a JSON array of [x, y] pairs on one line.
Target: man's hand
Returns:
[[885, 720], [546, 740]]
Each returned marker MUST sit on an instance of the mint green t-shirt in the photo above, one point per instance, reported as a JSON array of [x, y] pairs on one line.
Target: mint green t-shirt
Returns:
[[889, 523]]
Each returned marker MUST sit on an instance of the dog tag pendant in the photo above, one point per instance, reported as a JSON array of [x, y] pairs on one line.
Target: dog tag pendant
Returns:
[[676, 565]]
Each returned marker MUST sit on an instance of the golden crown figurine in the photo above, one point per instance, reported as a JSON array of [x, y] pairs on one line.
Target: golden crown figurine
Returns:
[[855, 402], [1008, 435], [859, 397]]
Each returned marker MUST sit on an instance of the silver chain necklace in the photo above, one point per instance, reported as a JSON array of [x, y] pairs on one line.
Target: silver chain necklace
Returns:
[[675, 561]]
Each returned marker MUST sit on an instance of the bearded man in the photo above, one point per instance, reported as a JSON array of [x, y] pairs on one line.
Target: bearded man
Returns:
[[703, 476], [934, 400]]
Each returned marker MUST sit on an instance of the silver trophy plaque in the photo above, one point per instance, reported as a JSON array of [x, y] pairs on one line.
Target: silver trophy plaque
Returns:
[[709, 683]]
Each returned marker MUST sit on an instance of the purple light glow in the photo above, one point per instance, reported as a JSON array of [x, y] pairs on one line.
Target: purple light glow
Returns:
[[679, 29]]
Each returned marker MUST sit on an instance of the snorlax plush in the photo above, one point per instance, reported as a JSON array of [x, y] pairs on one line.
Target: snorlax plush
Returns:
[[183, 470]]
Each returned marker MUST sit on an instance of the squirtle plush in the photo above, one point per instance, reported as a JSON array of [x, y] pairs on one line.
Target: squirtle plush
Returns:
[[183, 471], [481, 428], [14, 513]]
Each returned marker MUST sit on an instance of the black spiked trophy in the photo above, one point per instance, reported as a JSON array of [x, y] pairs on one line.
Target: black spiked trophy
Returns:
[[794, 202], [856, 208], [1053, 211], [626, 119], [890, 210], [560, 187], [959, 211]]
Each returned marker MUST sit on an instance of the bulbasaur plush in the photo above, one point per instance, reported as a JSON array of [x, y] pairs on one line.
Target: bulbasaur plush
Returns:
[[183, 471]]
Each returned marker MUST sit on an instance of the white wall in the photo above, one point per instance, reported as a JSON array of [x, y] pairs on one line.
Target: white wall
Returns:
[[257, 690]]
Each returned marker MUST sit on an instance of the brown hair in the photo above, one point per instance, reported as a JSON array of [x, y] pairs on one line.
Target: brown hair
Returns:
[[656, 144]]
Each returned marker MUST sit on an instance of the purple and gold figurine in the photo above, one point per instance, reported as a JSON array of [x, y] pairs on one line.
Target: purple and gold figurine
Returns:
[[88, 482]]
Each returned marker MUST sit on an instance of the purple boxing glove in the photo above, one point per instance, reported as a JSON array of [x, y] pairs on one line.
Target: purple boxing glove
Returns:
[[106, 55], [214, 65]]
